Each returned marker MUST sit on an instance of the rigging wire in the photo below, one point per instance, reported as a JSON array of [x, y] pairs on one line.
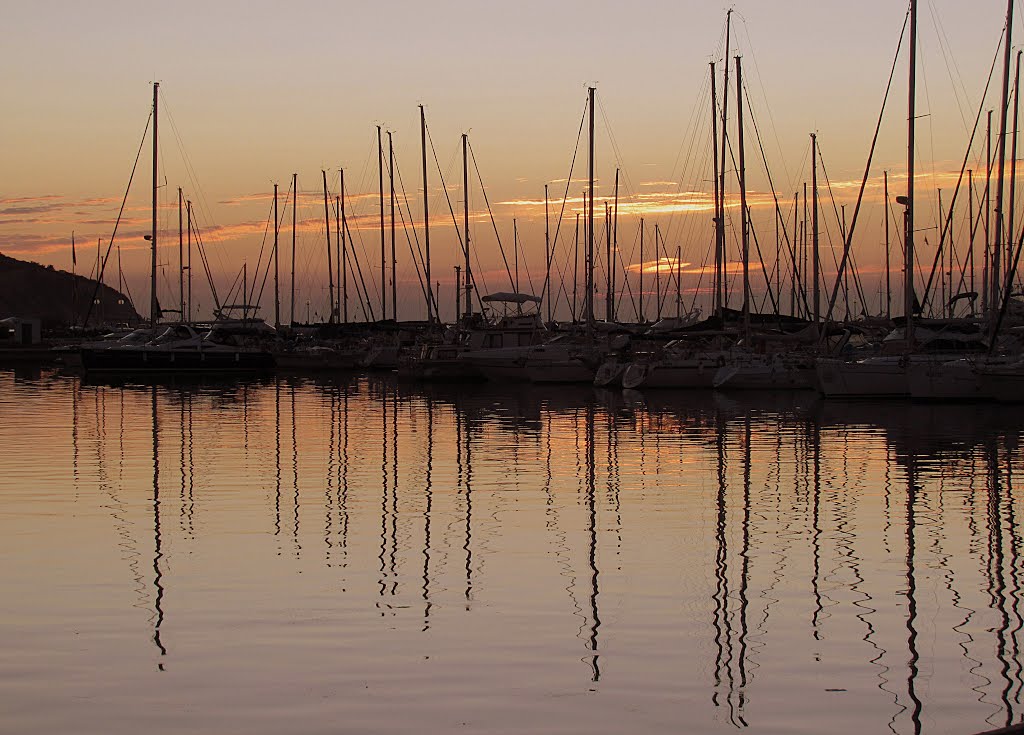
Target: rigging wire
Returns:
[[847, 245], [427, 291], [490, 214], [359, 272], [463, 245], [117, 222], [771, 184], [204, 210], [206, 266], [270, 260], [950, 63], [378, 297], [963, 167], [561, 213], [764, 93], [846, 235]]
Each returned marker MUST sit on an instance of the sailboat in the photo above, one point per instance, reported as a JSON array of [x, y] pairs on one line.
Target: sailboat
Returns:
[[229, 346], [885, 375], [575, 358]]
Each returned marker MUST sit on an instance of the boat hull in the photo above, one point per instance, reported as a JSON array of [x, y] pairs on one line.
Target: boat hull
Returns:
[[767, 374], [572, 371], [1004, 383], [945, 380], [441, 371], [871, 378], [658, 375], [175, 361]]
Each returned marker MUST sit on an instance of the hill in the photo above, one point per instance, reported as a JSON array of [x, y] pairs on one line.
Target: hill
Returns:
[[30, 290]]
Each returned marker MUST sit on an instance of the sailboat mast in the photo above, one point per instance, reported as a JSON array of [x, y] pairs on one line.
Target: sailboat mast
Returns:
[[337, 256], [778, 259], [590, 220], [996, 288], [717, 218], [986, 264], [338, 252], [640, 315], [942, 261], [344, 250], [576, 265], [744, 231], [426, 216], [657, 271], [458, 292], [468, 277], [547, 254], [330, 265], [394, 260], [970, 234], [295, 206], [120, 272], [795, 268], [615, 249], [1011, 231], [815, 264], [608, 262], [181, 261], [888, 282], [908, 221], [99, 279], [188, 216], [583, 306], [74, 282], [277, 271], [154, 308], [679, 283], [804, 309], [723, 281], [515, 251], [383, 263], [952, 258]]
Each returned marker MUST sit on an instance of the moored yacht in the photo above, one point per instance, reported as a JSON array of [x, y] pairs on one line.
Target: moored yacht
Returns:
[[766, 371], [899, 372], [679, 364], [869, 377], [497, 349], [234, 347]]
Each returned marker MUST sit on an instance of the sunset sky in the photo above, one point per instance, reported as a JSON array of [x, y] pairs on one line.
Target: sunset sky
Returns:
[[254, 91]]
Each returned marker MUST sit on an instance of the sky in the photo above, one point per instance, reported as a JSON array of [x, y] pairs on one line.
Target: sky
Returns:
[[253, 92]]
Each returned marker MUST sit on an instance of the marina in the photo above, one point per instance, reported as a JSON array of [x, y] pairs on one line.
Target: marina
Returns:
[[943, 347], [563, 368]]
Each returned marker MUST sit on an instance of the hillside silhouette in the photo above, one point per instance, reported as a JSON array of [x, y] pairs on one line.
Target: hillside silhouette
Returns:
[[30, 290]]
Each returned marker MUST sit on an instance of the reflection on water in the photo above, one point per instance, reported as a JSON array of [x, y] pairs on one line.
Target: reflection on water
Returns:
[[362, 555]]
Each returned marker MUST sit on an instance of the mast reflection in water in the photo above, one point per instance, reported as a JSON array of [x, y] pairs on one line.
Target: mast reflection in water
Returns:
[[365, 555]]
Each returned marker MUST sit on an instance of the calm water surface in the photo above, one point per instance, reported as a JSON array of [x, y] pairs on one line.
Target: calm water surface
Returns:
[[357, 555]]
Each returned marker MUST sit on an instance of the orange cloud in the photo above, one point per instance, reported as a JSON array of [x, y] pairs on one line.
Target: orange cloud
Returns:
[[646, 204], [665, 265], [30, 200], [45, 204], [284, 196]]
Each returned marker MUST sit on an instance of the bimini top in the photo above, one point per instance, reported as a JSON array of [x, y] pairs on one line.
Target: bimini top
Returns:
[[511, 298]]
